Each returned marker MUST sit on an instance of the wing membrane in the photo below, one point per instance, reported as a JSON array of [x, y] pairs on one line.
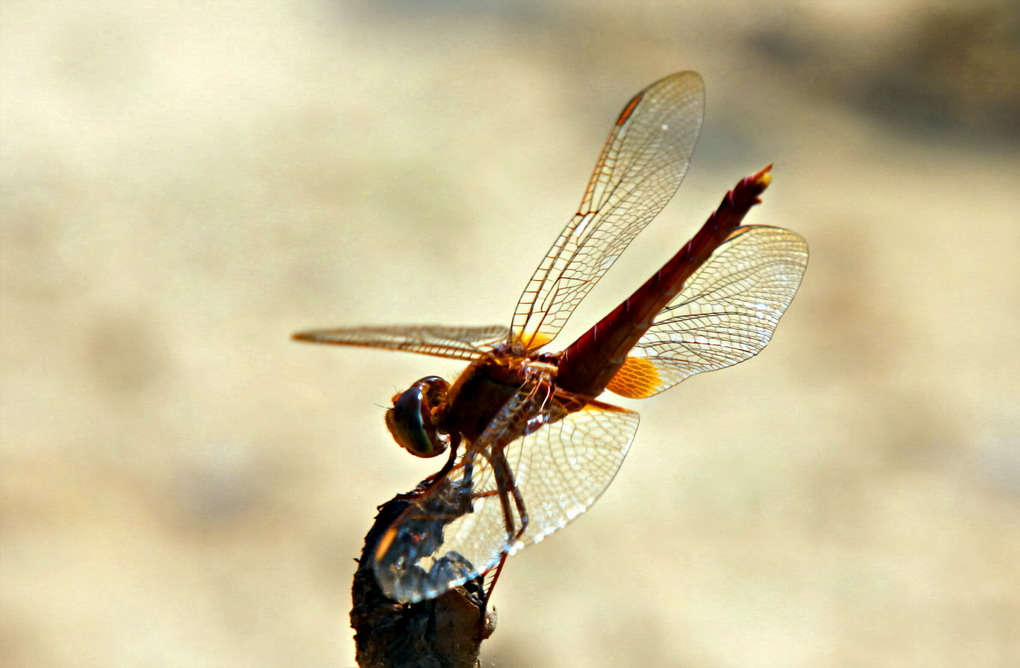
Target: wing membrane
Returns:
[[725, 314], [463, 343], [563, 468], [642, 164], [459, 530]]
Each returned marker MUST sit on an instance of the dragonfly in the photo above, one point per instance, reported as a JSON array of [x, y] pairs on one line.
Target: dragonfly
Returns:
[[531, 445]]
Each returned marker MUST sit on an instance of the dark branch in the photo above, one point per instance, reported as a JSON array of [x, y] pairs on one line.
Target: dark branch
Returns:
[[445, 631]]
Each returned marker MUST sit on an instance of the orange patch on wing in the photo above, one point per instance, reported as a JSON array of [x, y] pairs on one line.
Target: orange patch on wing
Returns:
[[536, 341], [637, 378]]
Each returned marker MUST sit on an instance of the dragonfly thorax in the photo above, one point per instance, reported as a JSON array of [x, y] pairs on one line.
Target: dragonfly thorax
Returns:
[[483, 388]]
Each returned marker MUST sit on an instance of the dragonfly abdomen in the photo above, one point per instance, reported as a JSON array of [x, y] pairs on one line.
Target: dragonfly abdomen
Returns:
[[588, 364]]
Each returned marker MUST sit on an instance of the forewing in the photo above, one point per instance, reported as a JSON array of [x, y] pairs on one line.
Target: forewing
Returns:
[[463, 343], [460, 529], [725, 314], [640, 168]]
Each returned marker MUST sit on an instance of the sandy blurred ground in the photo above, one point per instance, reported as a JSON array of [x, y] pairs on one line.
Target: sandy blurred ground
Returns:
[[183, 185]]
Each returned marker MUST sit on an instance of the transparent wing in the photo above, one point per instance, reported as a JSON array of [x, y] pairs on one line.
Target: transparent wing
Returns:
[[640, 168], [725, 314], [563, 468], [464, 525], [463, 343]]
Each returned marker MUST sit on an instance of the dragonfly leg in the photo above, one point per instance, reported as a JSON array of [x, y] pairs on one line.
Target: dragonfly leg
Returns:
[[522, 512], [454, 446], [506, 487], [513, 538], [492, 585]]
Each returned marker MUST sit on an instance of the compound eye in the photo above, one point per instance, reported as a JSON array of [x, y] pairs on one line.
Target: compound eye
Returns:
[[411, 420]]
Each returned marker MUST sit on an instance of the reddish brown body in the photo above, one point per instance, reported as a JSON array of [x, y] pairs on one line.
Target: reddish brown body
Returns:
[[531, 446], [480, 391]]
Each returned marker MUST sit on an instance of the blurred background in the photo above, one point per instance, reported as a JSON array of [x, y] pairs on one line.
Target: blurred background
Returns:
[[185, 184]]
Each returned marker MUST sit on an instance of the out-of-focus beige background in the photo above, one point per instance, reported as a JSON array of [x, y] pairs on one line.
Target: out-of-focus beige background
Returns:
[[185, 184]]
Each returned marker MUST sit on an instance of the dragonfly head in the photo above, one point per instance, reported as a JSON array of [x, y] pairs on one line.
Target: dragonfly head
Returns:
[[415, 420]]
